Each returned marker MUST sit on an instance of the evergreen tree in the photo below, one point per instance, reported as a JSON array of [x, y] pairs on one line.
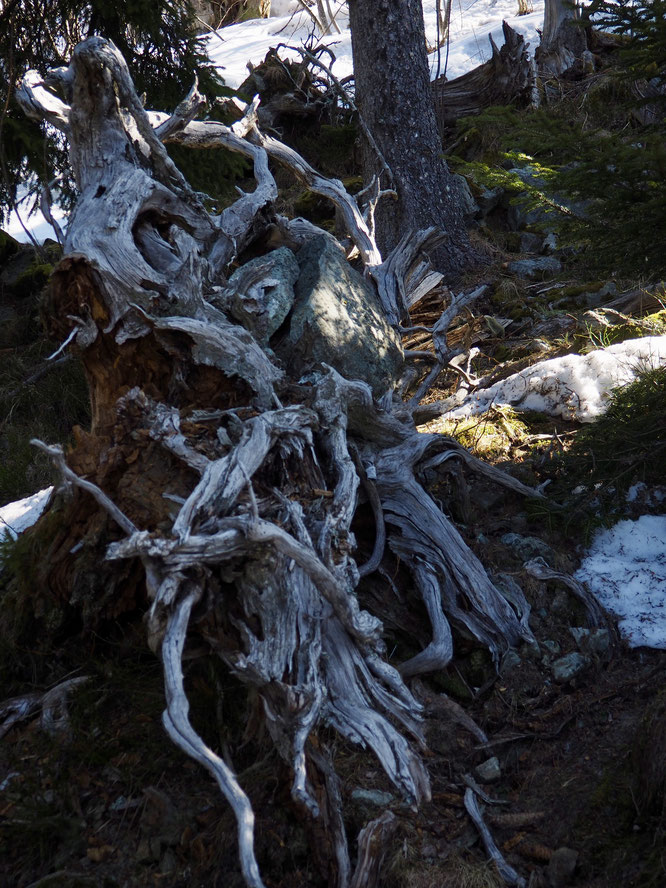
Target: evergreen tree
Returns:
[[157, 37]]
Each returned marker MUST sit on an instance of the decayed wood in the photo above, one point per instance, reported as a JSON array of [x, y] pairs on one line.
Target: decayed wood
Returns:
[[507, 872], [563, 41], [506, 78], [263, 475]]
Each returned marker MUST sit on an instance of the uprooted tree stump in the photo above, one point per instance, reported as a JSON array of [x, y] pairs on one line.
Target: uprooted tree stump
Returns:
[[232, 482]]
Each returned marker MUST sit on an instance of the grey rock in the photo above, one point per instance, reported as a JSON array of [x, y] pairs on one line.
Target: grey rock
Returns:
[[337, 320], [489, 771], [489, 199], [531, 650], [535, 269], [580, 635], [562, 866], [569, 666], [596, 641], [168, 862], [527, 547], [559, 603], [263, 292], [599, 641], [510, 661], [372, 797], [470, 207], [594, 298], [551, 646], [530, 242], [519, 216]]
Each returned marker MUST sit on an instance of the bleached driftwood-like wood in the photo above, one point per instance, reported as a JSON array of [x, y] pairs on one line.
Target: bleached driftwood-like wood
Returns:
[[373, 845], [265, 472], [596, 615], [563, 41], [177, 724], [506, 872]]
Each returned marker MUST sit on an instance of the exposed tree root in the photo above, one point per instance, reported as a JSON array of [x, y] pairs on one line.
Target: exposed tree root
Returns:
[[267, 471]]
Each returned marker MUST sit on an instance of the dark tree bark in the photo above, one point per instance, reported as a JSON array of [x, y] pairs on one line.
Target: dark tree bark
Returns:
[[394, 100]]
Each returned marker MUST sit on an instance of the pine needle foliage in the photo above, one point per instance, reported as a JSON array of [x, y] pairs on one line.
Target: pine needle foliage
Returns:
[[643, 25], [603, 192], [157, 38]]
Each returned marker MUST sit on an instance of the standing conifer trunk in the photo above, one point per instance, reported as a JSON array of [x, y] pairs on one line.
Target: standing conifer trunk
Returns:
[[394, 100]]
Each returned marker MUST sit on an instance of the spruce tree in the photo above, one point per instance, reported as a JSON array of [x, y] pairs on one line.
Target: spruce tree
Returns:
[[158, 38]]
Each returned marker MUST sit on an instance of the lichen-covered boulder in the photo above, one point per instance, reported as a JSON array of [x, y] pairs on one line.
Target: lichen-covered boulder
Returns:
[[337, 320], [263, 292]]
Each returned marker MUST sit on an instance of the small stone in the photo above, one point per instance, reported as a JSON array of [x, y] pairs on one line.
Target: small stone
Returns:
[[168, 862], [531, 650], [488, 199], [489, 771], [593, 298], [510, 661], [143, 852], [569, 667], [559, 603], [527, 547], [551, 646], [535, 269], [561, 867], [580, 635], [538, 345], [372, 797], [529, 242]]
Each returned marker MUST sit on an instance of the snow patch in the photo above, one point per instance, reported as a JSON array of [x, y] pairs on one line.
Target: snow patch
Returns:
[[17, 517], [575, 387], [472, 21], [625, 568]]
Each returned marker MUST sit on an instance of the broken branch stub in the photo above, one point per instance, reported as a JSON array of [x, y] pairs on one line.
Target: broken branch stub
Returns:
[[234, 482]]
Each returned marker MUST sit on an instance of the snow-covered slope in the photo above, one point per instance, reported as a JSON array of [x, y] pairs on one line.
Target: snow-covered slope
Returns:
[[625, 568], [575, 387]]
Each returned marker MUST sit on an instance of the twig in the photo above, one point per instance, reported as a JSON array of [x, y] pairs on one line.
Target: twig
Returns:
[[506, 872], [58, 457]]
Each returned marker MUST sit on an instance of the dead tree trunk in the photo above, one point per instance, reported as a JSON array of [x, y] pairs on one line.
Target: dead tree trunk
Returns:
[[506, 78], [563, 42], [231, 481]]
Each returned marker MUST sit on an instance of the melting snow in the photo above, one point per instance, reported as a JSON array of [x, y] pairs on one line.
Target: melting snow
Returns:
[[625, 568], [575, 387], [17, 517]]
